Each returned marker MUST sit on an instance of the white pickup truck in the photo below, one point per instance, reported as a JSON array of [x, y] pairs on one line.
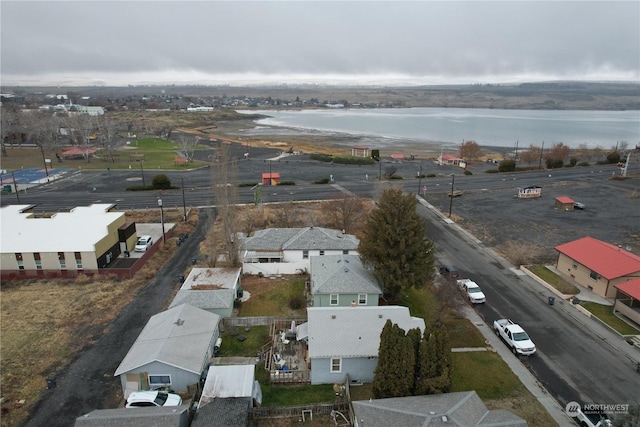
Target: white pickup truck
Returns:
[[472, 290], [515, 337]]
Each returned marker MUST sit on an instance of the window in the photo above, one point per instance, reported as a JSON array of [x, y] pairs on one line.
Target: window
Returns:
[[362, 299], [333, 299], [78, 260], [575, 264], [321, 253], [19, 261], [336, 365], [157, 381], [63, 262], [36, 258], [345, 252], [305, 254], [593, 275]]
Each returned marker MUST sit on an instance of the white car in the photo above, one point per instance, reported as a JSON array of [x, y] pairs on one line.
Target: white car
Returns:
[[141, 399], [472, 290], [144, 243]]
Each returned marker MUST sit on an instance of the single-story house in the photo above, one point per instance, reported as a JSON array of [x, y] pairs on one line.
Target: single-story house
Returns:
[[288, 250], [170, 416], [85, 239], [172, 350], [211, 289], [342, 280], [461, 409], [564, 203], [360, 151], [627, 300], [597, 265], [345, 340]]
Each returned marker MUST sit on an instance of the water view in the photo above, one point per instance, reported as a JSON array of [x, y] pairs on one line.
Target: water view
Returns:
[[447, 126]]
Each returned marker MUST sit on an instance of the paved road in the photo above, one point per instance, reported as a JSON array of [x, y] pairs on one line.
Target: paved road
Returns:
[[89, 384]]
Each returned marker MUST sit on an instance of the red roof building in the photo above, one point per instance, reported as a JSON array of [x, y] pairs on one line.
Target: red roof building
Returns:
[[564, 203], [597, 265], [628, 300]]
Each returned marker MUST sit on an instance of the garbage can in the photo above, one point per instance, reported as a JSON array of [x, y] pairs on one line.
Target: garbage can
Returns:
[[552, 300], [51, 383]]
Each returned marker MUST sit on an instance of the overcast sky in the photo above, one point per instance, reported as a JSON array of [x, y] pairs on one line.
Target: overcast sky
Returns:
[[359, 42]]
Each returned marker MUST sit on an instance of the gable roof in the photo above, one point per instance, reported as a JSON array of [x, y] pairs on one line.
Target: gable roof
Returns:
[[205, 299], [184, 327], [462, 409], [342, 274], [353, 331], [307, 238], [565, 199], [630, 287], [606, 259], [227, 412]]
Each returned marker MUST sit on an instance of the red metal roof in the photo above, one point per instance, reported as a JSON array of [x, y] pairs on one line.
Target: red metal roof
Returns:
[[564, 199], [631, 288], [270, 175], [397, 156], [604, 258]]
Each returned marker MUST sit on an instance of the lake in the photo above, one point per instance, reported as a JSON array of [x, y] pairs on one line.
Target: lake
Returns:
[[448, 126]]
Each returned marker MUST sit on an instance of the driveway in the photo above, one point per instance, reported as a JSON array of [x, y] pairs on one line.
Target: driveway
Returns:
[[89, 383]]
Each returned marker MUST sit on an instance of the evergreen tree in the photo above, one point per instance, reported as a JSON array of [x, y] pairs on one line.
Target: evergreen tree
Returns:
[[435, 362], [415, 336], [394, 373], [383, 375], [394, 244]]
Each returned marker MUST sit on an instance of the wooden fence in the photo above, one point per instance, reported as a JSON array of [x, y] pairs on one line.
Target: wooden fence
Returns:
[[242, 322]]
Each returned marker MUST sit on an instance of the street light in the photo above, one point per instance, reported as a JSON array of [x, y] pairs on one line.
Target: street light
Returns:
[[184, 204], [142, 173], [162, 220]]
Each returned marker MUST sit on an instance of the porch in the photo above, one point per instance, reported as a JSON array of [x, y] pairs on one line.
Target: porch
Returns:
[[286, 358]]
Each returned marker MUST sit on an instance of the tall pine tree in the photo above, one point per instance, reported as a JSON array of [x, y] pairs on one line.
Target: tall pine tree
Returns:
[[394, 373], [394, 244]]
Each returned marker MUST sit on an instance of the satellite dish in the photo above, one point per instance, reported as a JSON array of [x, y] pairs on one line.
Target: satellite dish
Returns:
[[628, 248]]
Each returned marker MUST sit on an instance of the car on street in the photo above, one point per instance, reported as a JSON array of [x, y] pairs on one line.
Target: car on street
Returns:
[[449, 272], [143, 243], [472, 291], [141, 399], [578, 205]]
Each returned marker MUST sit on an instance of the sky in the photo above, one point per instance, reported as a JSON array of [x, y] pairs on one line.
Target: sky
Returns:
[[135, 42]]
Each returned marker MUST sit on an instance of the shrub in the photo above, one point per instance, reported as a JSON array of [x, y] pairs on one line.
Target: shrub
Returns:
[[350, 160], [491, 171], [321, 157], [248, 184], [161, 182], [583, 164], [554, 163], [468, 172], [395, 177], [613, 157], [321, 181], [297, 302], [573, 161], [507, 166], [431, 175], [286, 183]]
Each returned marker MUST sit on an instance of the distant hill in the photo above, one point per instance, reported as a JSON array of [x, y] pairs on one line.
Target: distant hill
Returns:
[[539, 96]]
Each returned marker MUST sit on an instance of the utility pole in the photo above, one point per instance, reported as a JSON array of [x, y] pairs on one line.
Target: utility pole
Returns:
[[184, 204], [162, 220], [541, 151], [453, 178], [15, 186], [420, 178], [142, 173]]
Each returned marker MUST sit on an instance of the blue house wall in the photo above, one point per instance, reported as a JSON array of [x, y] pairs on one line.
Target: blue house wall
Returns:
[[359, 369]]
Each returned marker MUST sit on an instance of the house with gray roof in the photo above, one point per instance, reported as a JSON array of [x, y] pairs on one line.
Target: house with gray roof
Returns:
[[211, 289], [288, 250], [172, 350], [173, 416], [342, 281], [461, 409], [345, 340]]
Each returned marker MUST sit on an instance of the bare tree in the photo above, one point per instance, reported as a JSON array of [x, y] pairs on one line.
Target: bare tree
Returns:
[[531, 155], [344, 213], [286, 215], [84, 126], [109, 138], [470, 150], [188, 144], [224, 178]]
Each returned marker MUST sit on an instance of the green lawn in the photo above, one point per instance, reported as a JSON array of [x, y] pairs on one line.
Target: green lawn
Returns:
[[605, 313], [554, 280], [276, 301], [278, 395], [256, 337], [485, 372]]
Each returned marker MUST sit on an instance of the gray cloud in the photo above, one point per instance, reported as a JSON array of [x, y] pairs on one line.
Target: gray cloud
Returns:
[[427, 41]]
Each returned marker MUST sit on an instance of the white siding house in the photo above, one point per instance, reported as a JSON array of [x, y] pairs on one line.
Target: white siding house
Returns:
[[288, 250], [345, 340], [172, 350], [211, 289]]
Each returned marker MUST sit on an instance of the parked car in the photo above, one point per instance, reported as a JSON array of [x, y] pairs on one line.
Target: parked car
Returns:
[[144, 243], [472, 290], [515, 337], [141, 399], [578, 205], [449, 272]]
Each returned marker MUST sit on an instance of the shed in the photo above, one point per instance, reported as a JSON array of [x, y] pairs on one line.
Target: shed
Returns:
[[211, 289], [564, 203], [172, 350], [360, 151], [168, 416], [529, 192], [270, 178]]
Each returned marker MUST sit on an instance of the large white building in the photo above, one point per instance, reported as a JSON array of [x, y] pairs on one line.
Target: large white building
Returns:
[[84, 239]]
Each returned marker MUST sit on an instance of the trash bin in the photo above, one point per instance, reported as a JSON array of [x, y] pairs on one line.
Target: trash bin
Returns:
[[193, 261], [51, 383], [552, 300]]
